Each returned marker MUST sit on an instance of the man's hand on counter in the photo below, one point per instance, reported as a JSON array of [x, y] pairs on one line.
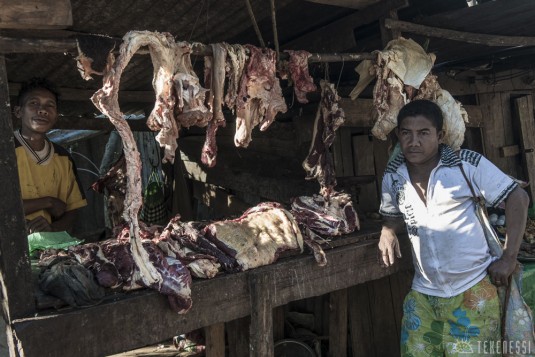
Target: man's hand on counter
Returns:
[[38, 224]]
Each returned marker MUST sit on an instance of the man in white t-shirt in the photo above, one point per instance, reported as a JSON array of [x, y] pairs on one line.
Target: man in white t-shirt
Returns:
[[453, 305]]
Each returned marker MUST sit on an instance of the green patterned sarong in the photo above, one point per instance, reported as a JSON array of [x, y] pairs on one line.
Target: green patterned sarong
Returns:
[[464, 325]]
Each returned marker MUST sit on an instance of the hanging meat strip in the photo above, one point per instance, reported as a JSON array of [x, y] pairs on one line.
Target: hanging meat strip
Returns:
[[302, 81], [169, 59], [260, 97], [235, 66], [319, 162], [217, 84]]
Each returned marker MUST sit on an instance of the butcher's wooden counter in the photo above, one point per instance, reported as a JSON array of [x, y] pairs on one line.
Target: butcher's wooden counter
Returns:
[[144, 317]]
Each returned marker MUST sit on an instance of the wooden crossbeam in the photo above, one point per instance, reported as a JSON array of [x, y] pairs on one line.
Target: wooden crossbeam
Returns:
[[35, 14], [477, 38]]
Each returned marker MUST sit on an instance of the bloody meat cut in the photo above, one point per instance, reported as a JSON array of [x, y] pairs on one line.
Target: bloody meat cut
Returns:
[[114, 267], [260, 95], [330, 218], [331, 213], [235, 66], [215, 78], [319, 162], [302, 81], [186, 242], [179, 102]]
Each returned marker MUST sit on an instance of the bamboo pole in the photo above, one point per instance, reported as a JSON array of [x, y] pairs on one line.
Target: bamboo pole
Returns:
[[274, 25], [255, 25]]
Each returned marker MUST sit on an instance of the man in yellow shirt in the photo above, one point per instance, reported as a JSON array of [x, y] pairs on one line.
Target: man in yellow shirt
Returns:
[[51, 190]]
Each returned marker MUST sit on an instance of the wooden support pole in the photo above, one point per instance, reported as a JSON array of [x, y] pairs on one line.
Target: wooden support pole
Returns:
[[477, 38], [238, 337], [361, 321], [15, 271], [215, 340], [261, 329], [15, 268], [338, 323], [387, 34], [523, 113], [278, 323]]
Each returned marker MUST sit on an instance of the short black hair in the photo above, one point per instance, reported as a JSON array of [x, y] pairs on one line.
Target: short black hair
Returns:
[[425, 108], [35, 83]]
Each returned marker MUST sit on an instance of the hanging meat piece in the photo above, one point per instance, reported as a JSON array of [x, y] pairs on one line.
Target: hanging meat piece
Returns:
[[331, 213], [216, 79], [258, 236], [236, 60], [95, 54], [455, 116], [260, 96], [390, 99], [302, 81], [399, 70], [319, 162], [177, 93]]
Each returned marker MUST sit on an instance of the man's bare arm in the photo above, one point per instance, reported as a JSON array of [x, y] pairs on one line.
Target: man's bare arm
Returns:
[[388, 242], [516, 208]]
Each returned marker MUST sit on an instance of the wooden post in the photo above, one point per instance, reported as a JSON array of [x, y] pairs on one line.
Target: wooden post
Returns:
[[238, 337], [15, 270], [278, 323], [524, 114], [388, 34], [261, 329], [338, 323], [361, 321], [215, 340]]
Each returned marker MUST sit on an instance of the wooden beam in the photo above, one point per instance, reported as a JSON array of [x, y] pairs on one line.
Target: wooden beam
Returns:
[[223, 298], [510, 150], [91, 123], [35, 14], [15, 272], [477, 38], [74, 94], [472, 83], [32, 45], [352, 4]]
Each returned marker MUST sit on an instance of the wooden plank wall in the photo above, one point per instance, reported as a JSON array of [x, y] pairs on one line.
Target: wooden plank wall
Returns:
[[268, 170], [499, 132]]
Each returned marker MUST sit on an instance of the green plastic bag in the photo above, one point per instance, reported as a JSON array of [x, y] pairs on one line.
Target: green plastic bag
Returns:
[[45, 240]]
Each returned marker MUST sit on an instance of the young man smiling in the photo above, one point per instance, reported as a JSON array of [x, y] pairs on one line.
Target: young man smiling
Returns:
[[453, 304], [51, 191]]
